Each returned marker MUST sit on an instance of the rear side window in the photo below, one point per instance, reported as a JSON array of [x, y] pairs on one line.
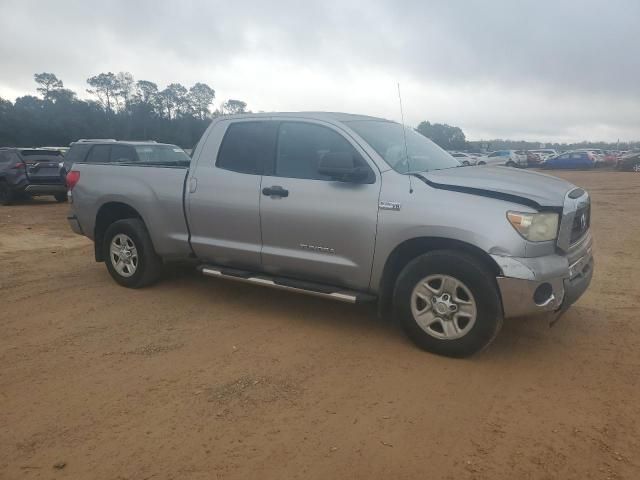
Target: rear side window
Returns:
[[247, 147], [99, 154], [123, 154], [4, 159], [77, 153], [301, 146]]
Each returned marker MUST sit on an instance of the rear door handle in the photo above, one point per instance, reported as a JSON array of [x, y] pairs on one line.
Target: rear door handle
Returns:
[[275, 191]]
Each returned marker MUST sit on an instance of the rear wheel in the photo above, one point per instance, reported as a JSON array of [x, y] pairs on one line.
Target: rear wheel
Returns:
[[482, 163], [6, 193], [60, 197], [129, 254], [510, 164], [636, 167], [448, 303]]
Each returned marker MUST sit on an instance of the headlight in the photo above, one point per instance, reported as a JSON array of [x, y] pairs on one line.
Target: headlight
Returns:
[[535, 227]]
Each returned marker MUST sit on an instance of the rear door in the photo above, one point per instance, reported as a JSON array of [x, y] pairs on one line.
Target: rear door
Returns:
[[224, 193], [42, 166], [315, 228]]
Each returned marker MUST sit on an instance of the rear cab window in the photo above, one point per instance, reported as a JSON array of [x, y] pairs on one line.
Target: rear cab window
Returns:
[[247, 147]]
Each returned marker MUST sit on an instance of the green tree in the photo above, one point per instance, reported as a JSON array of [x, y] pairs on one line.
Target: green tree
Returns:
[[231, 107], [201, 96], [48, 83], [105, 87], [126, 87], [445, 136]]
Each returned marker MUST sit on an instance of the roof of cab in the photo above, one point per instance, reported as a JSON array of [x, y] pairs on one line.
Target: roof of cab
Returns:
[[330, 116]]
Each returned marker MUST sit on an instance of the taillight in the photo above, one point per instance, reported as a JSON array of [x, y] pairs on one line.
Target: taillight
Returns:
[[72, 178], [18, 166]]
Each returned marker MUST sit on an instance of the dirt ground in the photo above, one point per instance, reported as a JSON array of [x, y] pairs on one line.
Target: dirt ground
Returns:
[[205, 378]]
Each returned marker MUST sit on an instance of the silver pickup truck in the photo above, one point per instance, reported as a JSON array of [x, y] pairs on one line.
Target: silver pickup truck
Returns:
[[345, 207]]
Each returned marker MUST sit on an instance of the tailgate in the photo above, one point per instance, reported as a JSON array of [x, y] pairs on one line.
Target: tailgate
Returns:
[[44, 168]]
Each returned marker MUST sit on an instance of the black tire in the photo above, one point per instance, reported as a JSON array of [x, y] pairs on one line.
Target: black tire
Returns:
[[510, 164], [60, 197], [476, 277], [482, 163], [149, 264], [6, 193]]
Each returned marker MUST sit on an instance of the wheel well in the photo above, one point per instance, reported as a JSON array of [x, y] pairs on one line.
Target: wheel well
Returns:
[[410, 249], [107, 214]]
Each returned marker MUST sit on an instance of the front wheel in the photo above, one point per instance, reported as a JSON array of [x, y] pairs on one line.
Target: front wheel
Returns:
[[129, 254], [60, 197], [510, 164], [448, 303]]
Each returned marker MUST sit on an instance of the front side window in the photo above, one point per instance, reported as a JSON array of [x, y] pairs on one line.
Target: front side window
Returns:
[[99, 154], [247, 147], [301, 147], [388, 140]]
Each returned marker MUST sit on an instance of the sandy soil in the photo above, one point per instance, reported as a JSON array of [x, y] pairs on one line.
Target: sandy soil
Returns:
[[203, 378]]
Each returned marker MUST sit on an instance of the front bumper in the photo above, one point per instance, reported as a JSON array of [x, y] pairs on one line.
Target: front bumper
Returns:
[[75, 224], [552, 283]]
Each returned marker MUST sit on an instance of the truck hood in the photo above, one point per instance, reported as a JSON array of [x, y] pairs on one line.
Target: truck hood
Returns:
[[520, 186]]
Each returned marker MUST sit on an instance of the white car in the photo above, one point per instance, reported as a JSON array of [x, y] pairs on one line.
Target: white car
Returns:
[[510, 158], [464, 158], [545, 153]]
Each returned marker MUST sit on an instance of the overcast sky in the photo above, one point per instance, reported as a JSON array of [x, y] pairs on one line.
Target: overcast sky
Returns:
[[559, 70]]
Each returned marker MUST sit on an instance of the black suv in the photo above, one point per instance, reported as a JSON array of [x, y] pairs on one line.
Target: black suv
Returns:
[[27, 172], [128, 152]]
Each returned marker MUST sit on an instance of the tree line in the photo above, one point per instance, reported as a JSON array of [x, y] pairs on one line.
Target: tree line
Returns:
[[126, 109], [120, 108]]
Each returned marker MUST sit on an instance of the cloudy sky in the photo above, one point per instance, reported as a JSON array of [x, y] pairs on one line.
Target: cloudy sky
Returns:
[[560, 70]]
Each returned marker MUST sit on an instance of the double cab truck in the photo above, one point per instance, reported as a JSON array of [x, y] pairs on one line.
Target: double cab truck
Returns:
[[345, 207]]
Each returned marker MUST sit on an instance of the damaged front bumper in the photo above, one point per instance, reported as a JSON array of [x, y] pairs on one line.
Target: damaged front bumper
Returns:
[[552, 283]]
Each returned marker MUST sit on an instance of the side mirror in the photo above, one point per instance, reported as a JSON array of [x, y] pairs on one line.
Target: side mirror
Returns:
[[342, 166]]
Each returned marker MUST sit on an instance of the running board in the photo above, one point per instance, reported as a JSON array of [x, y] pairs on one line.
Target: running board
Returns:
[[292, 285]]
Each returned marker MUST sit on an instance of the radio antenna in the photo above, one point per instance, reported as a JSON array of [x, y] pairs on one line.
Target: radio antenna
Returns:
[[404, 136]]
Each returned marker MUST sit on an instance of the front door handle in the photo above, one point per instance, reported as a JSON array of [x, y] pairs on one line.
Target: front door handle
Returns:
[[275, 191]]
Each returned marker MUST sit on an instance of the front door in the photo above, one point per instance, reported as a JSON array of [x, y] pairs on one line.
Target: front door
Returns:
[[315, 228]]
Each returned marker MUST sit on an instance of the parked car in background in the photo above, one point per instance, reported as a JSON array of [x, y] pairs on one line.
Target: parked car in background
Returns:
[[571, 160], [598, 154], [611, 158], [464, 158], [533, 159], [350, 208], [629, 162], [510, 158], [28, 172], [544, 153], [113, 151]]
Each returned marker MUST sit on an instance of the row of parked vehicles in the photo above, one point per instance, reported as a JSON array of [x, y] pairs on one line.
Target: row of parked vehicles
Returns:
[[26, 172], [551, 159]]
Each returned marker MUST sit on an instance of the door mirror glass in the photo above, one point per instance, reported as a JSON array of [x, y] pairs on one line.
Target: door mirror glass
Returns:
[[342, 166]]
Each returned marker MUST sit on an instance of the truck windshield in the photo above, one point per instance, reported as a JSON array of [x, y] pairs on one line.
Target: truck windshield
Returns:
[[387, 139], [169, 155]]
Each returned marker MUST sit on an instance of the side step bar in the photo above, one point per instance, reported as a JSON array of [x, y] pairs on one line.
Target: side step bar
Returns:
[[282, 283]]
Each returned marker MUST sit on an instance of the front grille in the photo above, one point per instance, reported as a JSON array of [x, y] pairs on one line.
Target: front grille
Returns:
[[581, 222]]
